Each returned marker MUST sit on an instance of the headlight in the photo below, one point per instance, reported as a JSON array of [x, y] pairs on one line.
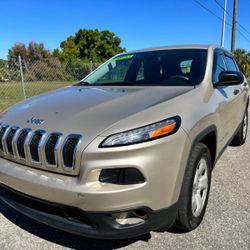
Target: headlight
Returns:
[[143, 134]]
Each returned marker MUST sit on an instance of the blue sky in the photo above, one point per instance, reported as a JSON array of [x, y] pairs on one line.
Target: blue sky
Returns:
[[139, 23]]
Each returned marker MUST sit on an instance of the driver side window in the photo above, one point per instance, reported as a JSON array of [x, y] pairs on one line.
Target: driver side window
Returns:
[[219, 66]]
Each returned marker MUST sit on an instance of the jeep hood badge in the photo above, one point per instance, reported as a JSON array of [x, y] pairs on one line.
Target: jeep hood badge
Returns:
[[34, 120]]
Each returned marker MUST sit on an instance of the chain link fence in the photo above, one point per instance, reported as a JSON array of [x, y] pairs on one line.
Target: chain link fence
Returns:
[[21, 80]]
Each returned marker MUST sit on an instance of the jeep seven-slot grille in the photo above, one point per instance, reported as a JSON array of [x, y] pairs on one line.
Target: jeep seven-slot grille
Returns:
[[40, 149], [20, 143], [50, 147]]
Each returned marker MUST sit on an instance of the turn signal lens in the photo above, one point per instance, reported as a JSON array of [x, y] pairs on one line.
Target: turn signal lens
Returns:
[[163, 130]]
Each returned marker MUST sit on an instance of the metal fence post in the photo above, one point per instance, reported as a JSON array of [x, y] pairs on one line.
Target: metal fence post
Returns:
[[91, 66], [22, 79]]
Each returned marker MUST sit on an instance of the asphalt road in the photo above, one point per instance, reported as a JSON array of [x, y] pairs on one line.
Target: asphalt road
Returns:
[[226, 224]]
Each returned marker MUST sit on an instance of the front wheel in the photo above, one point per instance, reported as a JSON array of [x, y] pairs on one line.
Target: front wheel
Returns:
[[241, 136], [195, 189]]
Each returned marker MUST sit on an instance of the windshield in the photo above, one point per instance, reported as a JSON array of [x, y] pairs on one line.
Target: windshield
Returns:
[[176, 67]]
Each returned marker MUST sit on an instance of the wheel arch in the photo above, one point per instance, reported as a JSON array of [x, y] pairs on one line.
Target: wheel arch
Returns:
[[208, 137]]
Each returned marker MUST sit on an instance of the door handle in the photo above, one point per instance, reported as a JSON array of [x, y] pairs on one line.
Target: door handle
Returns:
[[236, 91]]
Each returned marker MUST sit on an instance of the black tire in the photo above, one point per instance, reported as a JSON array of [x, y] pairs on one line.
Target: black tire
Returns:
[[186, 220], [240, 138]]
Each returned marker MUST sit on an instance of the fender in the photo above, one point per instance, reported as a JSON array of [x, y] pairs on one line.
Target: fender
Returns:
[[198, 138], [203, 134]]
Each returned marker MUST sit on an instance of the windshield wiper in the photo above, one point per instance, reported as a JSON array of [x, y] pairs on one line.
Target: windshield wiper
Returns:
[[82, 83], [125, 83]]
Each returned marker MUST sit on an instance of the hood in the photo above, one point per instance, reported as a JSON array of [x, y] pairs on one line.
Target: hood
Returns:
[[87, 110]]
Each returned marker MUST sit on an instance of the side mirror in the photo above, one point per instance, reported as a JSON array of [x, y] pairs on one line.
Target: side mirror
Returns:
[[227, 78]]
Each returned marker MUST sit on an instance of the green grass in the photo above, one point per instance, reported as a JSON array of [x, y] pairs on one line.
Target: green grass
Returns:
[[11, 92]]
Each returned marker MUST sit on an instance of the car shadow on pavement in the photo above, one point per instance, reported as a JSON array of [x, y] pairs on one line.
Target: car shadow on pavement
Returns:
[[60, 237]]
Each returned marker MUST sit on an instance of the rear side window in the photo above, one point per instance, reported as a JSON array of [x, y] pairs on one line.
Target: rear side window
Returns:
[[219, 66], [231, 64]]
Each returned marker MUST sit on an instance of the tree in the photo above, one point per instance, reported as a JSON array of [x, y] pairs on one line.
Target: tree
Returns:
[[18, 49], [3, 70], [37, 61], [243, 58], [37, 51], [70, 50], [89, 45], [30, 53]]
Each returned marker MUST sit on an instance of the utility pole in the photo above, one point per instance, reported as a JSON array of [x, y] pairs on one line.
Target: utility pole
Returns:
[[223, 24], [234, 26]]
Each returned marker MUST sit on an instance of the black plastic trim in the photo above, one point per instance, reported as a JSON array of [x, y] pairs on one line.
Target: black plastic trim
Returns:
[[227, 144], [100, 225], [203, 134], [121, 176]]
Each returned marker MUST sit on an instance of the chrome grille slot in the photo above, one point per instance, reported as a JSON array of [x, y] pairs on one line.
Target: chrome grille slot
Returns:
[[20, 143], [69, 151], [34, 144], [9, 140], [50, 148], [2, 132]]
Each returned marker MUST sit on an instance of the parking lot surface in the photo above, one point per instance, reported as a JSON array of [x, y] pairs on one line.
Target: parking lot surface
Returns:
[[226, 224]]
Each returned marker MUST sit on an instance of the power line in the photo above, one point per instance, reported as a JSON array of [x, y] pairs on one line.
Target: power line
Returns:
[[211, 12], [243, 35], [218, 3], [243, 27], [218, 17], [207, 9]]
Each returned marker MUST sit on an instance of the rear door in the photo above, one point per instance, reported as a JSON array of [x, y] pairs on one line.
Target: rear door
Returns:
[[239, 103], [226, 97]]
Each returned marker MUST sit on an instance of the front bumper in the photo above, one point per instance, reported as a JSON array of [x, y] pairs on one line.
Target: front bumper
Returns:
[[162, 162], [89, 224]]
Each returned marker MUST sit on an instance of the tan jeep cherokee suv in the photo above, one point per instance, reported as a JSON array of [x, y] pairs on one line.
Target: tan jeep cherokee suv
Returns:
[[130, 148]]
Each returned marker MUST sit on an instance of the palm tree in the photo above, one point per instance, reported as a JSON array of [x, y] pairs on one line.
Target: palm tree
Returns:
[[243, 58]]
